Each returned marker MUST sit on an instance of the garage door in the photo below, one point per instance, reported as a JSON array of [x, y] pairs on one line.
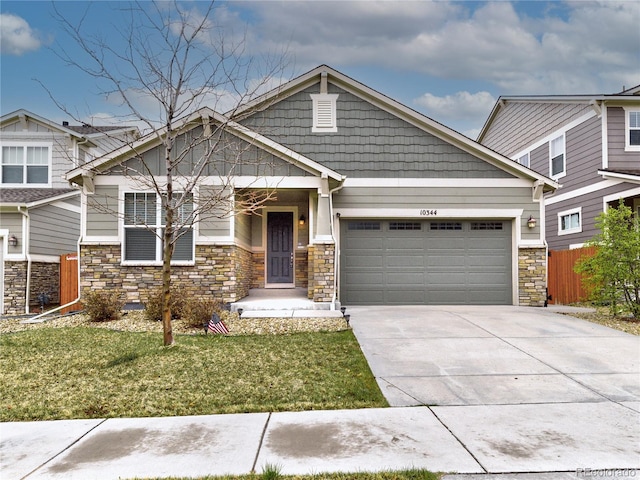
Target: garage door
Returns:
[[387, 262]]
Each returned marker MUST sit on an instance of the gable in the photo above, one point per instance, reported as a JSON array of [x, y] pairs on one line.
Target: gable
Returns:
[[369, 142], [518, 124], [235, 157], [28, 125]]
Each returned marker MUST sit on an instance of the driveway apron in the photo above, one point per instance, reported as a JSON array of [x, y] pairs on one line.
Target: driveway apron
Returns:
[[522, 389]]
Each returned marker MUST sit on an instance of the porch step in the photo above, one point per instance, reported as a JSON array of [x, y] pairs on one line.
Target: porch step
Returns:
[[284, 300], [291, 313]]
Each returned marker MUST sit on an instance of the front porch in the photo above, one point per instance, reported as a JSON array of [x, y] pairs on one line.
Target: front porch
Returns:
[[283, 302]]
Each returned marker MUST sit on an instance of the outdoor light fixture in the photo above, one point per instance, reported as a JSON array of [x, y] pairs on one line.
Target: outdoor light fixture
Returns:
[[347, 319], [240, 310], [13, 241], [531, 223], [343, 309], [302, 220]]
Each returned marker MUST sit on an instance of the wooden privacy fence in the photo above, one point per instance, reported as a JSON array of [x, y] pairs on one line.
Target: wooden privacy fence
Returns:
[[565, 285], [69, 281]]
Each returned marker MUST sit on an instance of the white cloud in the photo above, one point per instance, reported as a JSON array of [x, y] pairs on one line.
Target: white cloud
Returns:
[[459, 105], [593, 48], [16, 36]]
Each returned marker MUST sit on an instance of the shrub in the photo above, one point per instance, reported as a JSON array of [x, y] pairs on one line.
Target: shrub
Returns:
[[197, 311], [612, 275], [103, 306], [153, 307]]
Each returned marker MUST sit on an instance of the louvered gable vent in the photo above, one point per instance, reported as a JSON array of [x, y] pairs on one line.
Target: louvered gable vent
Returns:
[[324, 112]]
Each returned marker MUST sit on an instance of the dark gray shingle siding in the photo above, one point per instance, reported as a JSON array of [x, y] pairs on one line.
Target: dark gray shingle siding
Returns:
[[370, 142]]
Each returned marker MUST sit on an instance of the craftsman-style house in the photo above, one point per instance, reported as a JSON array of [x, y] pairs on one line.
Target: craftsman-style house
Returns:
[[374, 204]]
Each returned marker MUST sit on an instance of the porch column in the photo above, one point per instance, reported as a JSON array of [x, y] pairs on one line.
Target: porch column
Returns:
[[323, 227]]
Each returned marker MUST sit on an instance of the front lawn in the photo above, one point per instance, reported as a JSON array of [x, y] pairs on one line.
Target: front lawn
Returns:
[[83, 372]]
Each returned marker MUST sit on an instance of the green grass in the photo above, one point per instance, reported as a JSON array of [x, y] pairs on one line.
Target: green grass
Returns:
[[65, 373], [413, 474]]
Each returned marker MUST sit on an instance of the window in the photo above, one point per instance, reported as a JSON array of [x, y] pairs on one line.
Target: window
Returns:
[[405, 226], [364, 225], [632, 136], [524, 160], [486, 225], [557, 155], [445, 226], [570, 222], [143, 229], [324, 112], [25, 164]]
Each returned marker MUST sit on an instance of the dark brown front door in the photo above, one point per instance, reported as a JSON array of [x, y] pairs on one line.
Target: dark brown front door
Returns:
[[280, 247]]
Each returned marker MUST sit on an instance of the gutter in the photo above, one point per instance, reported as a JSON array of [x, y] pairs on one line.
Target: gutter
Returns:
[[335, 250]]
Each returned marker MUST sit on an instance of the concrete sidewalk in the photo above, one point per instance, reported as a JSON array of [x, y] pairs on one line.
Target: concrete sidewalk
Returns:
[[502, 393]]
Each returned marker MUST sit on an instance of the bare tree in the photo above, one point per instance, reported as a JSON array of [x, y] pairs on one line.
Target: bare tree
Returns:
[[177, 62]]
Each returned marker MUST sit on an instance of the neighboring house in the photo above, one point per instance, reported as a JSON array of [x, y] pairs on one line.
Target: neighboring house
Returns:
[[590, 144], [376, 204], [39, 211]]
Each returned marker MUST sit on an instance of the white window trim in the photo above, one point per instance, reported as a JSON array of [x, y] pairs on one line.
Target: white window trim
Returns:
[[316, 98], [564, 157], [26, 144], [520, 157], [570, 231], [158, 226], [627, 128]]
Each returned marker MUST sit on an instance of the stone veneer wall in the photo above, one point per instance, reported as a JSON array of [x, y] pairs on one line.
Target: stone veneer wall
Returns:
[[15, 285], [45, 278], [258, 270], [220, 271], [301, 270], [532, 276], [321, 272]]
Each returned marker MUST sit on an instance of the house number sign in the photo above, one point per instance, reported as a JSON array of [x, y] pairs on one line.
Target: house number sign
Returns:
[[428, 213]]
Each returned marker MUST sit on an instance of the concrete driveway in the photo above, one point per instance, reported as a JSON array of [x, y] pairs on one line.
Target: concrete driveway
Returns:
[[522, 389]]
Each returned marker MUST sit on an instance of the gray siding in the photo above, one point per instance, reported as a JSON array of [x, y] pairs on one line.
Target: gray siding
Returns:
[[370, 142], [54, 230], [442, 198], [539, 159], [584, 155], [618, 158], [233, 156], [217, 221], [519, 124], [242, 233], [591, 207], [13, 223], [102, 212]]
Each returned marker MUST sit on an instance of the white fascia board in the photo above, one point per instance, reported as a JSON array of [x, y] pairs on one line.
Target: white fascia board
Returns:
[[45, 258], [582, 191], [130, 183], [283, 152], [620, 176], [100, 240], [51, 200], [429, 213], [275, 182], [439, 182], [556, 133], [616, 196]]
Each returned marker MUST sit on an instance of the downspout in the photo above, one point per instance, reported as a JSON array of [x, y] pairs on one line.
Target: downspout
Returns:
[[27, 253], [53, 310], [335, 250]]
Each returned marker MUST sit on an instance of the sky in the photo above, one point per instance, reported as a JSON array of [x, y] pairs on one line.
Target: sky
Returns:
[[449, 60]]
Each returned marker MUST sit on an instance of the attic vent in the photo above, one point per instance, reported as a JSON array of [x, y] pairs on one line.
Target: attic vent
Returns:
[[324, 112]]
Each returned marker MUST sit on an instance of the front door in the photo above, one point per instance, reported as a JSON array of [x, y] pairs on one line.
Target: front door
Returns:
[[280, 247]]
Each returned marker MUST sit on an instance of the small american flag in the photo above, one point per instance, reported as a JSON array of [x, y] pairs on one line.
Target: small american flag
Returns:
[[216, 325]]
